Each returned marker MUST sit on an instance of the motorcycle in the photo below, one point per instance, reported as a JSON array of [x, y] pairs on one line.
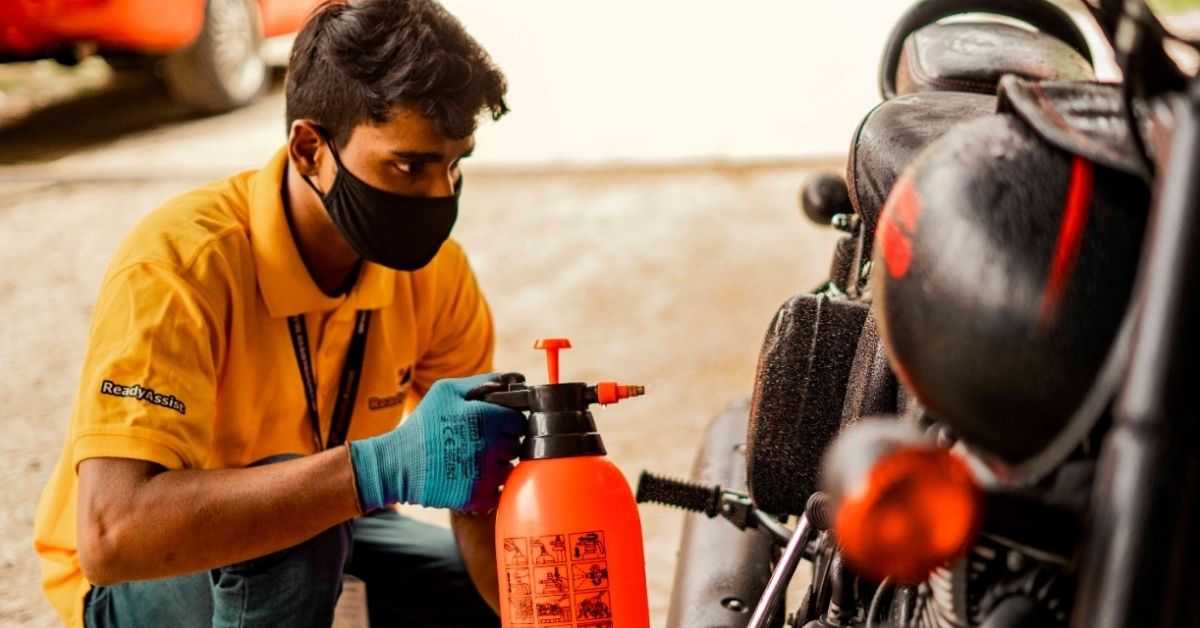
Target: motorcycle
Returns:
[[984, 416]]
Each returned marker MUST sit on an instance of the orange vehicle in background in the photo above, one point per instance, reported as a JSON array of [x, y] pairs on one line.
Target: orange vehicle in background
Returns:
[[210, 50]]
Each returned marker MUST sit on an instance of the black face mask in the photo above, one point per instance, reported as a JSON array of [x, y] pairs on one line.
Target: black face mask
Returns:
[[394, 230]]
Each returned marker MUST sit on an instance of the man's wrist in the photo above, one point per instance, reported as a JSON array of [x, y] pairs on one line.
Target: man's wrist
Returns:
[[388, 468], [353, 478], [368, 475]]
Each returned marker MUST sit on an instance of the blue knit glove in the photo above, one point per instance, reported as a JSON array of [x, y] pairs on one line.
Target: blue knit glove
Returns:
[[453, 452]]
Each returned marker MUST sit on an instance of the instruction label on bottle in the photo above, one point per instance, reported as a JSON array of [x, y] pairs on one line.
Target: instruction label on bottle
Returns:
[[557, 580]]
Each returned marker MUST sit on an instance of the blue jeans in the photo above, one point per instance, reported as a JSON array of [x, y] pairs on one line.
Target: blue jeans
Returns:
[[412, 570]]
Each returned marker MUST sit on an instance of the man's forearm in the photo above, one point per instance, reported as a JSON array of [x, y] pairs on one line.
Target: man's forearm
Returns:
[[137, 522], [476, 537]]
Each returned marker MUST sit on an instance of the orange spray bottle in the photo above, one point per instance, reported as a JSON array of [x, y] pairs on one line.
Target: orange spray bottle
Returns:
[[568, 536]]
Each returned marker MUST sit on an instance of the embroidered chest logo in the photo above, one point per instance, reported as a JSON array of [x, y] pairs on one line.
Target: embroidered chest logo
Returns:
[[137, 391], [396, 398]]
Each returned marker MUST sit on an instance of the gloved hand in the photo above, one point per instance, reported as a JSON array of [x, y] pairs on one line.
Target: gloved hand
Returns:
[[454, 451]]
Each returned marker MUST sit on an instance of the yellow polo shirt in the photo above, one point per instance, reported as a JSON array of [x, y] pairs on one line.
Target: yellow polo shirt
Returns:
[[190, 362]]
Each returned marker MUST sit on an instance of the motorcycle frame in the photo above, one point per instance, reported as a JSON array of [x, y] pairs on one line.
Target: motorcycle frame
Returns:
[[1141, 554]]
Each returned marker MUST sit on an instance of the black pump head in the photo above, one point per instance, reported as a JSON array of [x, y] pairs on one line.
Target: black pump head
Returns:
[[560, 424]]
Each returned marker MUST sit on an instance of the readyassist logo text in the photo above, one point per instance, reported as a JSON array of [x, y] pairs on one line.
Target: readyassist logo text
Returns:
[[137, 391]]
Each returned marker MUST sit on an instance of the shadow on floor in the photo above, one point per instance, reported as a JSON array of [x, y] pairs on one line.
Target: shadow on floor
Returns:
[[131, 103]]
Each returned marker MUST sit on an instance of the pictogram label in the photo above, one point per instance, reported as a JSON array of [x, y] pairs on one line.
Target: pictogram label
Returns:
[[516, 552], [517, 581], [520, 609], [557, 579], [587, 546], [551, 580], [550, 549], [595, 606], [590, 575], [554, 609]]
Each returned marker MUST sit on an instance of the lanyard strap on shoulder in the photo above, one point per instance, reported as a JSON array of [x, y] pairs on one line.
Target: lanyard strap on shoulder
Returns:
[[343, 407]]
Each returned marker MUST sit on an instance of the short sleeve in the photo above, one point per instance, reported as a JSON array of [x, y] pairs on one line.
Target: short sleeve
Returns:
[[149, 378], [463, 338]]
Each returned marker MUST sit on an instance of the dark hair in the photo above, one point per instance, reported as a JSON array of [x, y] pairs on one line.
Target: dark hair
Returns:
[[356, 61]]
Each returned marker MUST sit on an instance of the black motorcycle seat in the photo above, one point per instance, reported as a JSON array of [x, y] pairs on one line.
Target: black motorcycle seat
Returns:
[[972, 56], [892, 135]]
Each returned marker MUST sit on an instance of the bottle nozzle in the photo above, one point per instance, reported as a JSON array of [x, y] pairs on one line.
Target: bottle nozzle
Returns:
[[612, 392]]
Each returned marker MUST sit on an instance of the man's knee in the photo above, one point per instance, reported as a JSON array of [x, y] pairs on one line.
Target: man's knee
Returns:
[[320, 559], [414, 574], [300, 581]]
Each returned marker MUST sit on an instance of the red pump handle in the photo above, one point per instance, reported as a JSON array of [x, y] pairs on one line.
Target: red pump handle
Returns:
[[551, 347]]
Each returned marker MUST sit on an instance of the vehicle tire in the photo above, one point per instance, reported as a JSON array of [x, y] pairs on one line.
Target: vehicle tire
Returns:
[[223, 69]]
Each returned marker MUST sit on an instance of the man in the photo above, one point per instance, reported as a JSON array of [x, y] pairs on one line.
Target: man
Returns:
[[248, 330]]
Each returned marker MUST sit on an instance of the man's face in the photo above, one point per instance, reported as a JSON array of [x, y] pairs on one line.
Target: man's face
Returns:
[[405, 155]]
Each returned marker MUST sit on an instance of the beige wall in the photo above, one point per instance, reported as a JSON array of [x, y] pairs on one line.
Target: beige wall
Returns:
[[639, 80]]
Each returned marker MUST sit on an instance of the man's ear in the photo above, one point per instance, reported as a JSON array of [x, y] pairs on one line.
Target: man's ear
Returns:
[[304, 147]]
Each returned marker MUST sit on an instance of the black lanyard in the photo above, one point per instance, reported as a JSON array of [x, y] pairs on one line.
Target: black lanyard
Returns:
[[347, 389]]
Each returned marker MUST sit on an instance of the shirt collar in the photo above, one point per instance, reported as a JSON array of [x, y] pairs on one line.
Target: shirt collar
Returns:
[[283, 279]]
